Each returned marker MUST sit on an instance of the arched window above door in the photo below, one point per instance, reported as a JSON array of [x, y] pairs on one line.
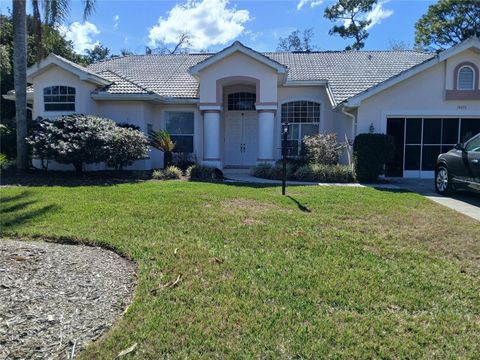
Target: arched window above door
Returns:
[[242, 101]]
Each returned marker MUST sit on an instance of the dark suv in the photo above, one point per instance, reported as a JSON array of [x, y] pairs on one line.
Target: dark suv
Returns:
[[459, 168]]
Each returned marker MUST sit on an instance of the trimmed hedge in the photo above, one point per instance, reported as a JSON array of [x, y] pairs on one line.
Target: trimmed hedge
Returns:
[[370, 153], [205, 173], [273, 172], [309, 172], [325, 173]]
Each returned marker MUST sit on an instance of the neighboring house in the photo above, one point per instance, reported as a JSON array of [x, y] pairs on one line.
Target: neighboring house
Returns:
[[227, 108]]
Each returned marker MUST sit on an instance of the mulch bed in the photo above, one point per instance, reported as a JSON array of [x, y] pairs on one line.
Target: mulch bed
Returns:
[[56, 298]]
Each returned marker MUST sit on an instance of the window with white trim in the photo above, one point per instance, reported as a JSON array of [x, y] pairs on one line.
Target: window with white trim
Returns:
[[241, 101], [465, 78], [303, 118], [180, 125], [59, 98]]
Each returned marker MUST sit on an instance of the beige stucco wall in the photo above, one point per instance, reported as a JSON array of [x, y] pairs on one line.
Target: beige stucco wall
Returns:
[[142, 113], [466, 56], [57, 76], [332, 121], [421, 95], [238, 64]]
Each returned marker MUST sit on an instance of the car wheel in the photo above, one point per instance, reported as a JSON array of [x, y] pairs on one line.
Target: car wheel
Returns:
[[443, 182]]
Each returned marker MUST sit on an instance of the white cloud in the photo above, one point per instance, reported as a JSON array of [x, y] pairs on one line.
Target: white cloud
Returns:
[[377, 14], [81, 35], [253, 35], [207, 22], [116, 22], [312, 3]]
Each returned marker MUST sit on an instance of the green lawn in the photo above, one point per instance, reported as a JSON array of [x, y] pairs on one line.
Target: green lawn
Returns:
[[329, 272]]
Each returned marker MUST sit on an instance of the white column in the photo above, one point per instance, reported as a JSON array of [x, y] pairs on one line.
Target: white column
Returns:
[[266, 136], [211, 138]]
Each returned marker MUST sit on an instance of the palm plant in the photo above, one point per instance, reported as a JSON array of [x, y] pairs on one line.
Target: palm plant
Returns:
[[162, 141], [55, 11]]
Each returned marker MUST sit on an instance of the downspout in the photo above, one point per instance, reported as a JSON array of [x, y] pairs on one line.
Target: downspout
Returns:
[[354, 125]]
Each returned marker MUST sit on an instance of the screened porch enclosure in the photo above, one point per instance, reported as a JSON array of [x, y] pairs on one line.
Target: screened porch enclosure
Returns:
[[419, 141]]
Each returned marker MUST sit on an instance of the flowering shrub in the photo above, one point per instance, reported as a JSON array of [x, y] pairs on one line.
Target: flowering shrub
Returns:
[[125, 146], [322, 149], [86, 139]]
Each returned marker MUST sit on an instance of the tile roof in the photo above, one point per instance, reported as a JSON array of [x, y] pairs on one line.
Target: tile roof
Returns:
[[120, 84], [347, 72]]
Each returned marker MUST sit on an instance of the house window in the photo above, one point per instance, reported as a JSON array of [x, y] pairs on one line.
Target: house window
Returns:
[[466, 78], [241, 101], [180, 126], [303, 118], [59, 98]]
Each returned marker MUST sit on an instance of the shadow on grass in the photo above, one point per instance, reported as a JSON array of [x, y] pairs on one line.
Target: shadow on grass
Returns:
[[299, 205], [391, 190], [6, 199], [72, 179], [13, 214], [16, 207]]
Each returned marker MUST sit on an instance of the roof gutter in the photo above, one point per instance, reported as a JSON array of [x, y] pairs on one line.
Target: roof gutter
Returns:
[[11, 96], [102, 96], [353, 132], [305, 83]]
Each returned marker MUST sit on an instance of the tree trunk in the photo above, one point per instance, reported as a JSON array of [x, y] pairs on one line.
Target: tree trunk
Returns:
[[20, 79], [78, 167], [37, 23], [167, 159]]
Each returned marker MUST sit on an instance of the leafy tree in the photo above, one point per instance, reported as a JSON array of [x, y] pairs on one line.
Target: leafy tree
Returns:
[[54, 12], [353, 14], [98, 53], [53, 42], [125, 52], [297, 41], [447, 23]]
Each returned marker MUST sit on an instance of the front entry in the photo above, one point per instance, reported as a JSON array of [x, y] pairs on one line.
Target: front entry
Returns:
[[241, 133]]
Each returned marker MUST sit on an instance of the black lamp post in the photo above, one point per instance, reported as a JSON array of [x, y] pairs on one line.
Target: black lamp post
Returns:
[[284, 156]]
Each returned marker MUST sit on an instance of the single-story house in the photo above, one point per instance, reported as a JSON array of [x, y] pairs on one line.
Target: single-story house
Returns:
[[226, 108]]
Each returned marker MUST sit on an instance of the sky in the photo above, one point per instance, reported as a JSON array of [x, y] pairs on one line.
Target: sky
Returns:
[[215, 24]]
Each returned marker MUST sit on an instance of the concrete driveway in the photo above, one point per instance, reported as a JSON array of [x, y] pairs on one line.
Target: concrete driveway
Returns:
[[463, 202]]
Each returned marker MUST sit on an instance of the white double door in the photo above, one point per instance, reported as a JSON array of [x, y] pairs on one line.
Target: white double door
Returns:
[[241, 137]]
